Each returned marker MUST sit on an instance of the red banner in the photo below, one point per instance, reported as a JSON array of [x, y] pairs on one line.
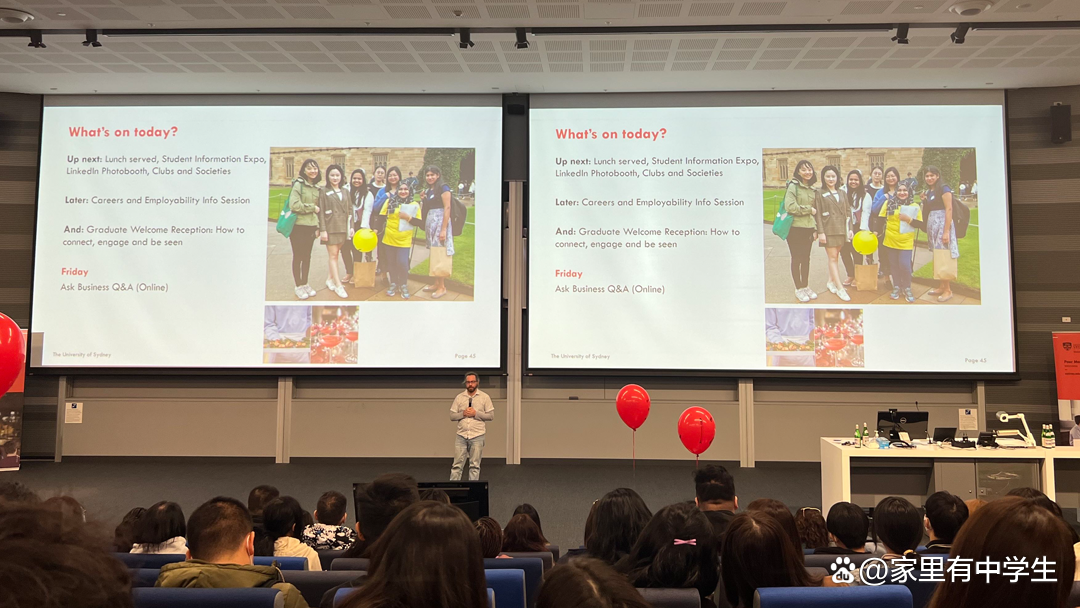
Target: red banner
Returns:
[[11, 416], [1067, 363]]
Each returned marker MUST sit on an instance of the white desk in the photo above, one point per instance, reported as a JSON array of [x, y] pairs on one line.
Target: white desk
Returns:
[[836, 463]]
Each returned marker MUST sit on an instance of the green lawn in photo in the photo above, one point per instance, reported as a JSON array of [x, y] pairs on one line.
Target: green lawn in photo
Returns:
[[278, 198], [774, 197], [464, 253]]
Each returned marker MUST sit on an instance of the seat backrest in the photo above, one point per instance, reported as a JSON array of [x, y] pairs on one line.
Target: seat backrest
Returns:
[[885, 596], [149, 560], [546, 556], [824, 561], [1074, 597], [509, 586], [554, 551], [144, 577], [671, 598], [283, 563], [314, 583], [921, 590], [491, 597], [158, 597], [531, 566], [327, 556], [350, 563]]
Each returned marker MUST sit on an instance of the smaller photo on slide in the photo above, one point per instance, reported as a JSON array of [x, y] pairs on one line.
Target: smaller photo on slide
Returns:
[[871, 226], [814, 337], [287, 334], [371, 224], [334, 334]]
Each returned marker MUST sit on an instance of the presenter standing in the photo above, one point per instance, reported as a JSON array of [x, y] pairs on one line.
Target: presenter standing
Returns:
[[471, 409]]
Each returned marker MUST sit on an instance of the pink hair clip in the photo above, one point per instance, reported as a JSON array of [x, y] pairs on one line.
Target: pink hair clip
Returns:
[[692, 541]]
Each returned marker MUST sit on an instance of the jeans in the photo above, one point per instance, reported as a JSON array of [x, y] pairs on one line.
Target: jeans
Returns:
[[396, 264], [899, 262], [474, 449]]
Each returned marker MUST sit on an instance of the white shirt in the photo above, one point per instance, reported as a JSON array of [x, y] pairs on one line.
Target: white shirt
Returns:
[[288, 546], [1074, 435], [470, 428], [176, 544]]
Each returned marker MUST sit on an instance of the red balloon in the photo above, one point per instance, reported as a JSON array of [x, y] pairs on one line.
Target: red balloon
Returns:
[[12, 352], [633, 405], [697, 429]]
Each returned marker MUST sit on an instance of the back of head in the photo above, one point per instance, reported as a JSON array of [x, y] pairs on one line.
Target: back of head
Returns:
[[258, 497], [1007, 530], [758, 552], [587, 583], [1038, 498], [849, 524], [782, 514], [897, 525], [51, 560], [946, 513], [124, 535], [436, 495], [66, 506], [714, 485], [676, 549], [491, 537], [533, 514], [381, 500], [974, 505], [813, 532], [331, 508], [162, 521], [428, 556], [218, 528], [522, 535], [280, 519], [13, 492], [617, 520]]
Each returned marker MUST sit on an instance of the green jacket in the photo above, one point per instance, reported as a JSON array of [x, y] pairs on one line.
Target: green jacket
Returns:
[[204, 575], [303, 200], [799, 202]]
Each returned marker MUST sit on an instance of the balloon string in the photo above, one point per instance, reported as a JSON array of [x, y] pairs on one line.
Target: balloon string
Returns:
[[697, 459], [633, 454]]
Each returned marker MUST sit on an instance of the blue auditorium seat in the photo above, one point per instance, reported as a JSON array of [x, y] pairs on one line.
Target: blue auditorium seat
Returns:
[[671, 598], [327, 556], [350, 563], [144, 577], [491, 597], [313, 584], [554, 551], [531, 566], [157, 597], [885, 596], [509, 586], [546, 556], [149, 560], [283, 563]]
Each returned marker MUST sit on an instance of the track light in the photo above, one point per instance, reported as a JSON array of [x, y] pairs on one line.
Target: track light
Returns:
[[465, 39], [522, 41], [901, 36], [91, 39], [960, 35], [35, 40]]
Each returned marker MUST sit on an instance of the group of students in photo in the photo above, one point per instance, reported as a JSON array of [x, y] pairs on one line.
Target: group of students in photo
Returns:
[[336, 210], [886, 205]]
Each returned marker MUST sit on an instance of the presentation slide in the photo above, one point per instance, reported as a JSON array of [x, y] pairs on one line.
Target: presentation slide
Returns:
[[229, 236], [843, 238]]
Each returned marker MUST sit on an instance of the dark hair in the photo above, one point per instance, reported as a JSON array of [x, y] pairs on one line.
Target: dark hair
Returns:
[[533, 514], [937, 188], [217, 527], [813, 532], [946, 513], [341, 172], [303, 518], [439, 183], [429, 556], [1077, 420], [67, 506], [1004, 530], [331, 508], [362, 174], [587, 583], [467, 374], [279, 520], [435, 494], [781, 513], [380, 501], [849, 524], [713, 483], [258, 497], [835, 171], [758, 552], [49, 560], [393, 170], [897, 525], [1042, 500], [799, 165], [618, 519], [162, 521], [859, 192], [304, 166], [523, 535], [893, 170], [124, 534], [15, 492], [656, 561], [491, 536]]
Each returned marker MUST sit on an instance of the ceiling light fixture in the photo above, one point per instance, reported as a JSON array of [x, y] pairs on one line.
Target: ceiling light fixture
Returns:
[[465, 39], [91, 39], [960, 35], [901, 36], [970, 8], [522, 40], [35, 40], [14, 16]]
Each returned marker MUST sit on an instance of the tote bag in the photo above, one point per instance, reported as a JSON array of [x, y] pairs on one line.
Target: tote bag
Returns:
[[945, 267], [364, 274], [866, 278], [441, 264], [781, 226], [286, 221]]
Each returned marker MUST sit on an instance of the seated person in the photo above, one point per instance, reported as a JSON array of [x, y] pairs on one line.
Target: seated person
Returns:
[[714, 490], [329, 532], [847, 525], [522, 536], [491, 537], [221, 544], [282, 519], [161, 530], [945, 513], [587, 583]]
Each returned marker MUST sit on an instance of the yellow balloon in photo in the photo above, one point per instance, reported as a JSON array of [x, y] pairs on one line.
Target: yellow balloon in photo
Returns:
[[865, 242], [365, 240]]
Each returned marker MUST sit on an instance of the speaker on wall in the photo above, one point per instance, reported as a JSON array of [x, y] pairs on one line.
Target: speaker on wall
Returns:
[[1060, 123]]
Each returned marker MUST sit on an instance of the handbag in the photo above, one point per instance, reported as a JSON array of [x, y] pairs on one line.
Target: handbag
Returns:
[[364, 274], [945, 266], [866, 278], [441, 264], [781, 226], [286, 221]]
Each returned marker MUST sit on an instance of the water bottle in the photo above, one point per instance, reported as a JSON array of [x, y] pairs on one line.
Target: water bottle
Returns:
[[858, 437], [865, 434]]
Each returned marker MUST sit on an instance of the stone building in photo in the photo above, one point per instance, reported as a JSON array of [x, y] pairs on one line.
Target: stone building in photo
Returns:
[[779, 163], [285, 162]]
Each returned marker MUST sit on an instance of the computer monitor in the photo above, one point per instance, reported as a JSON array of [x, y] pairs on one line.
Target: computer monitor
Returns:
[[469, 496], [891, 423]]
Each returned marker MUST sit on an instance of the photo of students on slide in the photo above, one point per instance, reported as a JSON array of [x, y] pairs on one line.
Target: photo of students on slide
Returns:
[[419, 248], [814, 337], [919, 206]]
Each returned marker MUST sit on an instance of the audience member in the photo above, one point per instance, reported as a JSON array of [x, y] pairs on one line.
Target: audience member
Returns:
[[378, 503], [758, 552], [1010, 529], [429, 556], [714, 490], [677, 549], [590, 525], [813, 532], [49, 560], [491, 537], [898, 527], [221, 543], [1044, 501], [67, 506], [848, 525], [945, 513], [161, 530], [522, 535], [587, 583], [782, 513], [124, 535], [974, 505], [13, 492], [329, 531], [618, 519], [534, 515], [436, 495], [257, 499], [280, 520]]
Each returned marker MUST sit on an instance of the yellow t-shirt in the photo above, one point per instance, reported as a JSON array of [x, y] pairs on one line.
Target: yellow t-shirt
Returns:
[[894, 239], [393, 236]]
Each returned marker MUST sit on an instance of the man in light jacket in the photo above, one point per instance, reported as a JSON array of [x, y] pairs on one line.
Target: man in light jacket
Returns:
[[471, 409]]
